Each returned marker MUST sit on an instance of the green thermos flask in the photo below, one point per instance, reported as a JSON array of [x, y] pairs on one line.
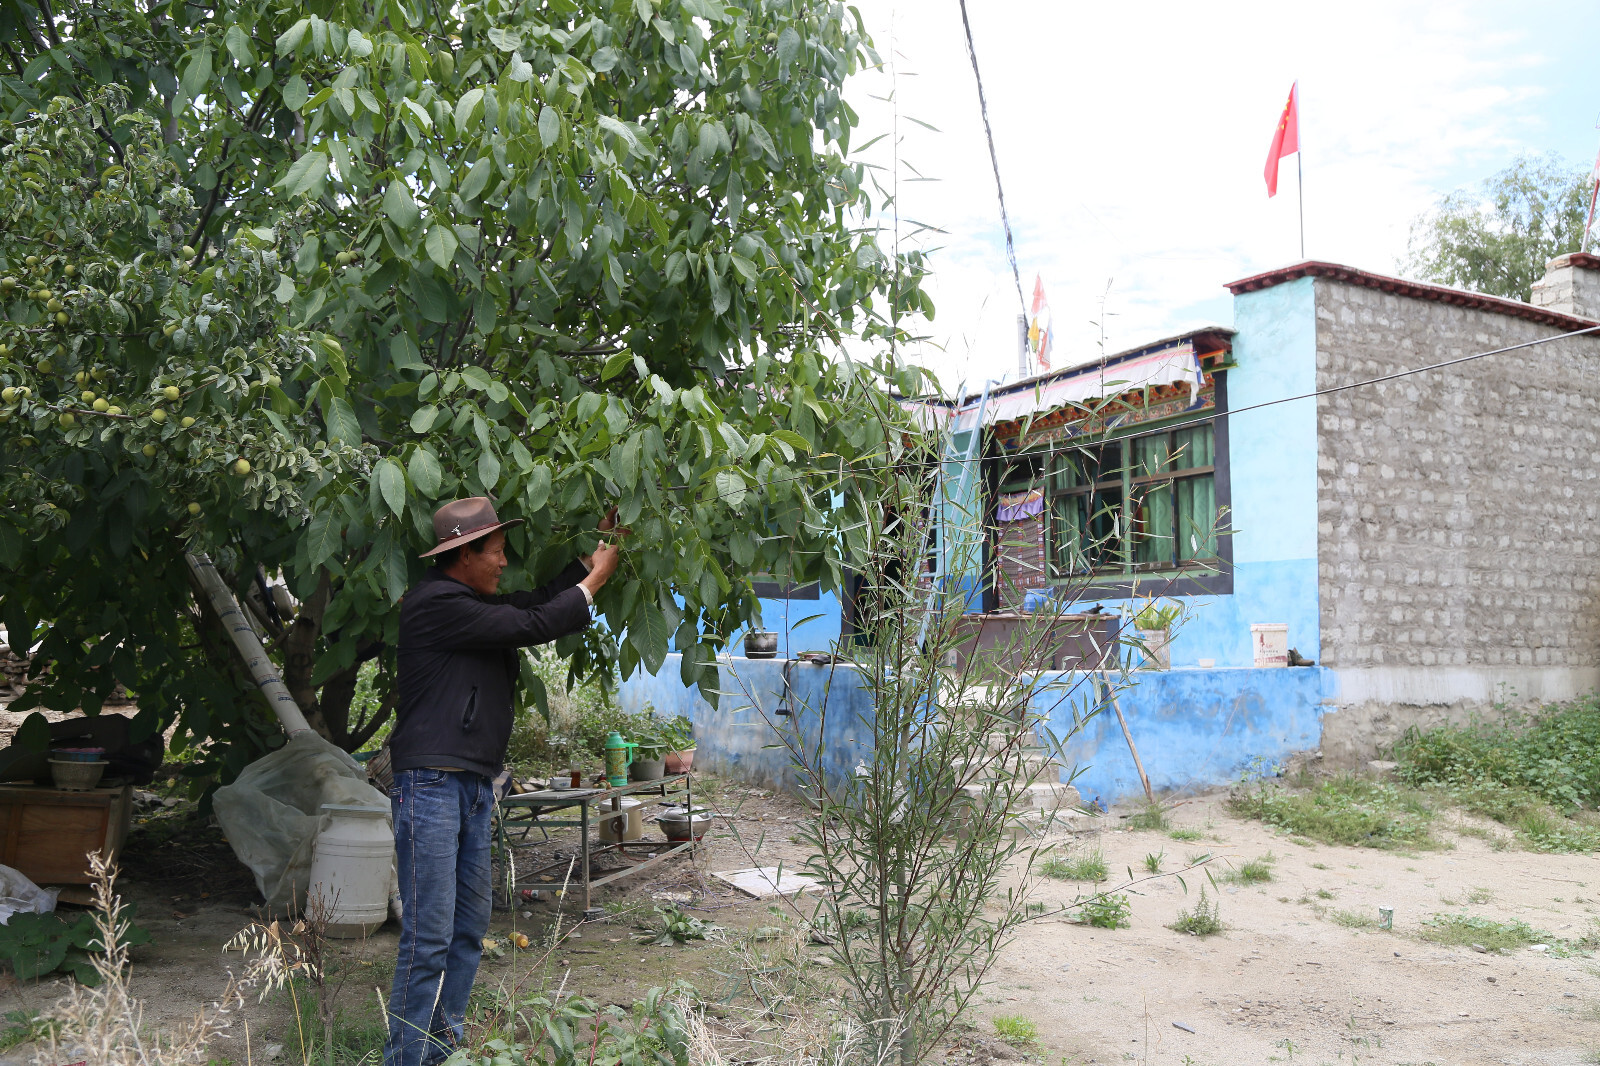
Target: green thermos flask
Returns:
[[619, 753]]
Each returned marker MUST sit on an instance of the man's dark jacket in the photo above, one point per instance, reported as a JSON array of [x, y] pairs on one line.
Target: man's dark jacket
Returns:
[[458, 666]]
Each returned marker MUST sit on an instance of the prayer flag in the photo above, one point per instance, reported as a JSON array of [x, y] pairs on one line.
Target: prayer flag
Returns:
[[1039, 326]]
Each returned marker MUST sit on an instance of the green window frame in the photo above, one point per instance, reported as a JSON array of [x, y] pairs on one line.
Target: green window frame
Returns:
[[1144, 503]]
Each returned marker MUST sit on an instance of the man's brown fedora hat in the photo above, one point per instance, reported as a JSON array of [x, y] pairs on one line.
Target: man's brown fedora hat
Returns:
[[461, 521]]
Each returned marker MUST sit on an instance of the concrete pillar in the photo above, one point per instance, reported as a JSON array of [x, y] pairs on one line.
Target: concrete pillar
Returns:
[[1571, 285]]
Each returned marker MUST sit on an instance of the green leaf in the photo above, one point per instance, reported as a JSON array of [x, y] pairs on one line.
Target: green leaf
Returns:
[[290, 39], [537, 492], [650, 635], [441, 246], [788, 48], [341, 421], [549, 126], [294, 93], [730, 487], [238, 44], [34, 732], [285, 289], [197, 73], [391, 481], [472, 185], [400, 207], [615, 126], [358, 44], [323, 538], [488, 470], [465, 106], [422, 418], [425, 473], [306, 175], [616, 365]]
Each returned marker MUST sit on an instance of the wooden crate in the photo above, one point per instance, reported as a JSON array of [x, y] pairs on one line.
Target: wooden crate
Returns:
[[48, 833]]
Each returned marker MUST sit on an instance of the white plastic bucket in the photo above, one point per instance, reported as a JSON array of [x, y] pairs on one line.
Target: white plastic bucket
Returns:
[[626, 824], [1271, 643], [350, 866]]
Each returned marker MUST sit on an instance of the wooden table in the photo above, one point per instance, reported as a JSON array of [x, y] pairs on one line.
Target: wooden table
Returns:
[[48, 833], [527, 811]]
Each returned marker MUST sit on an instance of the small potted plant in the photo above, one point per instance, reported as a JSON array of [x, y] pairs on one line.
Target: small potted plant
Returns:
[[1154, 624], [677, 733], [649, 757]]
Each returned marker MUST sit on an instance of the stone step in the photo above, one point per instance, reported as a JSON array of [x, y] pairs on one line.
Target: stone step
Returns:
[[1040, 796]]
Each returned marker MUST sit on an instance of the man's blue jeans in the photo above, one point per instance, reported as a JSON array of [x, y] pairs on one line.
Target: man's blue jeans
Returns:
[[441, 837]]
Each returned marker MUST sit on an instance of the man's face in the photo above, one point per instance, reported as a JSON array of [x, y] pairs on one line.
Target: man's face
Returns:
[[481, 564]]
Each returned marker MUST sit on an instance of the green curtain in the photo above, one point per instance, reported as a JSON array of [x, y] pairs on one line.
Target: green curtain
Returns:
[[1153, 531], [1197, 517]]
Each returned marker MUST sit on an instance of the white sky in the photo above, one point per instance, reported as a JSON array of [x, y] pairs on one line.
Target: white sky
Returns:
[[1132, 137]]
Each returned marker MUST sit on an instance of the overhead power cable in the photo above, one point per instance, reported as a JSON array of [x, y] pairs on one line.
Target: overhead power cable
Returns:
[[994, 160], [1214, 415]]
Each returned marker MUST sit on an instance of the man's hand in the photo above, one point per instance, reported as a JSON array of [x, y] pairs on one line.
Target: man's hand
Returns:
[[602, 564]]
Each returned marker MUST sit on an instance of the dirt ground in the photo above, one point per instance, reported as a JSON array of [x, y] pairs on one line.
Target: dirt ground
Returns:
[[1284, 982]]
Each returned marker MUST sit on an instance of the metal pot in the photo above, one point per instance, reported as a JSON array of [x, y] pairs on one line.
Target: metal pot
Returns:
[[760, 644], [677, 823]]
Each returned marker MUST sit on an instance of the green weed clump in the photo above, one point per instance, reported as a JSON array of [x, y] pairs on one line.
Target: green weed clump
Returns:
[[1106, 912], [1090, 866], [1016, 1030], [1152, 817], [1471, 929], [1254, 872], [1345, 810], [1528, 773], [1204, 920], [1354, 919], [1187, 834]]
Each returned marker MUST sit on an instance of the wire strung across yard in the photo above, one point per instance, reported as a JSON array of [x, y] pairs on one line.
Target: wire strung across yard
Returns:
[[1089, 440], [994, 160]]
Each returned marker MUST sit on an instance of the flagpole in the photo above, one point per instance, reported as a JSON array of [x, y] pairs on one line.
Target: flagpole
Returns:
[[1300, 192]]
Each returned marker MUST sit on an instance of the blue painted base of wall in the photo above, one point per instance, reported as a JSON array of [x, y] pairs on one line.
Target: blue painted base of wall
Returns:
[[1195, 729], [745, 737]]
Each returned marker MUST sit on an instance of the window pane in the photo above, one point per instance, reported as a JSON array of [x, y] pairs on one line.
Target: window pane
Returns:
[[1197, 518], [1196, 447], [1068, 535], [1152, 525], [1152, 455], [1070, 469]]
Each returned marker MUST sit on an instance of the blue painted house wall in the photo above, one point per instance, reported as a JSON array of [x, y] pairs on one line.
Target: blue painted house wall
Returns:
[[745, 738], [1194, 727]]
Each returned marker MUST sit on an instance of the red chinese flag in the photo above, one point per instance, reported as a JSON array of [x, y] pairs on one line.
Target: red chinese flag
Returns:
[[1285, 140]]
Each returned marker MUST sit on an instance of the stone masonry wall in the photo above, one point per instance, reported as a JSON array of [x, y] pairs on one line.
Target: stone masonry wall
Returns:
[[1457, 533]]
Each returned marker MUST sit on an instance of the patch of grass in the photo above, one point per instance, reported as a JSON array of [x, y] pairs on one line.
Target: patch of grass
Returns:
[[1152, 817], [19, 1027], [1531, 773], [1345, 810], [1323, 893], [1106, 912], [1185, 834], [1462, 930], [1016, 1030], [1153, 861], [1254, 872], [1353, 919], [1320, 866], [1090, 866], [1204, 920]]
